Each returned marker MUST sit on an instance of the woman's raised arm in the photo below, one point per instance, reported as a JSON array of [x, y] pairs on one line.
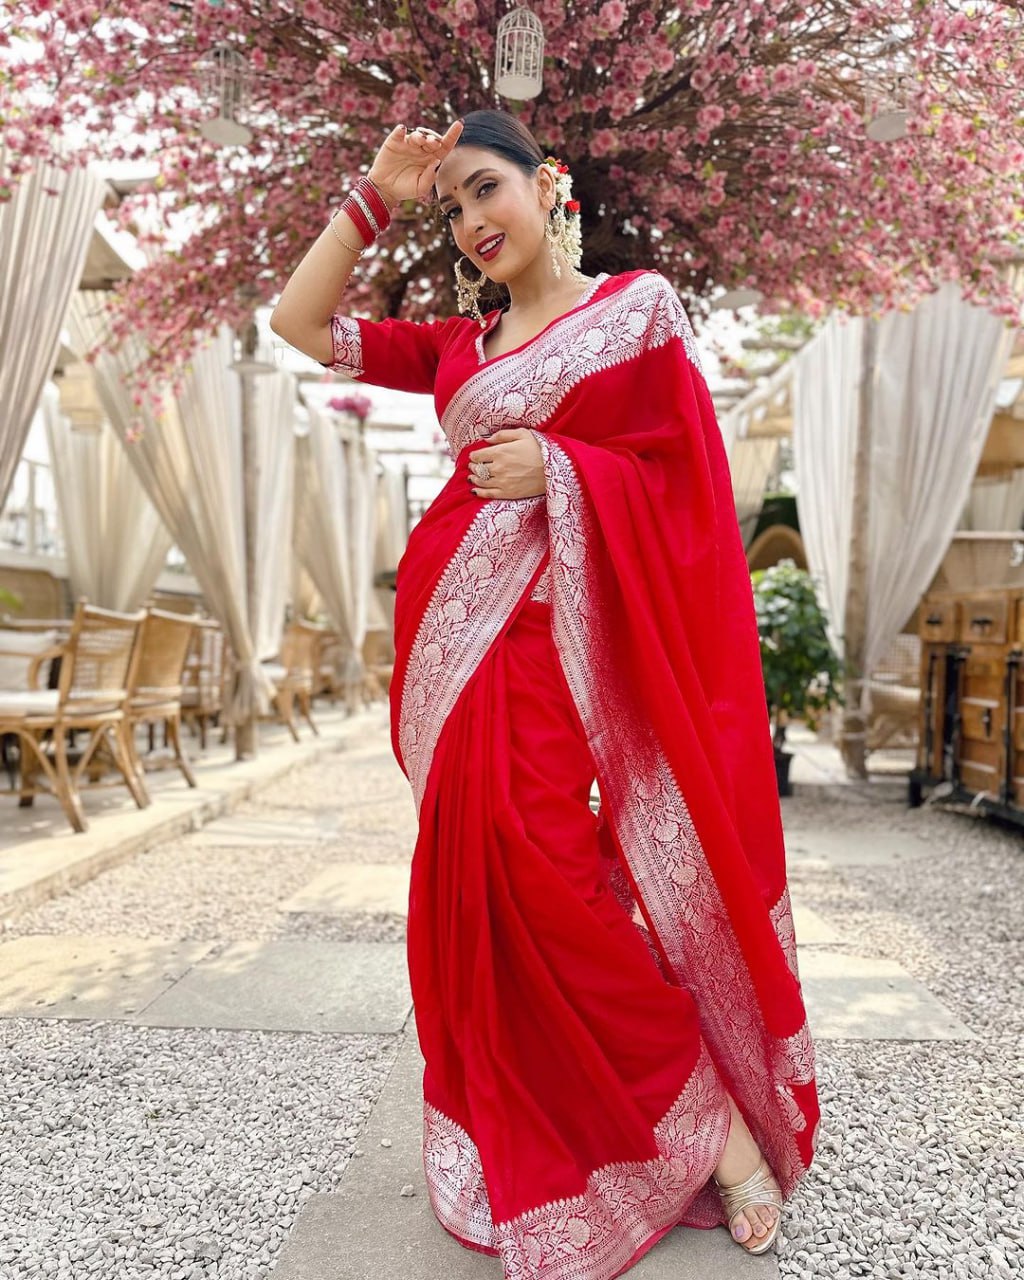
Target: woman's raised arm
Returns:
[[403, 169]]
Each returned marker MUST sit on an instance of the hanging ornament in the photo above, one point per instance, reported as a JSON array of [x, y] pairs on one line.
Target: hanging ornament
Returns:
[[519, 55], [224, 80]]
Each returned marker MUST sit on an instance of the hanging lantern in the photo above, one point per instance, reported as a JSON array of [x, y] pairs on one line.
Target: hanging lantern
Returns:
[[519, 55], [886, 110], [224, 80]]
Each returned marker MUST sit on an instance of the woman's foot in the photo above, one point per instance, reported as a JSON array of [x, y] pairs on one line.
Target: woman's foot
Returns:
[[740, 1159]]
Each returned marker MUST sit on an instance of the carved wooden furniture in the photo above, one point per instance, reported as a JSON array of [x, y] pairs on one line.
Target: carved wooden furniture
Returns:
[[971, 741]]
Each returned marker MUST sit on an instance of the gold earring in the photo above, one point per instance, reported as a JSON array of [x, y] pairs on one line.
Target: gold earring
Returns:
[[468, 292], [553, 232]]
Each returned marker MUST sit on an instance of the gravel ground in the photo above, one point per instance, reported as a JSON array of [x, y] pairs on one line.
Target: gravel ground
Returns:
[[920, 1163], [184, 889], [131, 1153], [144, 1152]]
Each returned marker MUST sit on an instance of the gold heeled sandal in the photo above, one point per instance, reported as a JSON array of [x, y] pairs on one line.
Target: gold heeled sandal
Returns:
[[757, 1189]]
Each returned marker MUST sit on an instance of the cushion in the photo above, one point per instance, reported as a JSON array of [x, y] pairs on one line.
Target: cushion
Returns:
[[15, 706], [14, 669]]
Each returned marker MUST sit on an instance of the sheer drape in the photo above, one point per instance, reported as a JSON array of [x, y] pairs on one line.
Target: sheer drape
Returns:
[[391, 537], [190, 463], [995, 503], [44, 240], [115, 543], [335, 527], [935, 380], [751, 462]]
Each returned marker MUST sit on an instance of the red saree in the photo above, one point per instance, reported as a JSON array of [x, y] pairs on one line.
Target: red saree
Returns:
[[587, 987]]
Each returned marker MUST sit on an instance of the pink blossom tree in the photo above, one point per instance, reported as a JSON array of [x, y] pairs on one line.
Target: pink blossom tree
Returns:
[[723, 143]]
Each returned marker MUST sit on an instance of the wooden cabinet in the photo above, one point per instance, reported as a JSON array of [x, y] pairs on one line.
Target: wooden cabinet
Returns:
[[972, 707]]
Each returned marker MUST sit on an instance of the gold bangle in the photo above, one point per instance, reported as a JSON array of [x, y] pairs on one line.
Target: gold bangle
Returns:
[[350, 247]]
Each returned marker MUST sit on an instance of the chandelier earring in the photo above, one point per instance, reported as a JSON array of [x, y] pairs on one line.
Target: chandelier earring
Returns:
[[554, 234], [562, 230], [468, 293]]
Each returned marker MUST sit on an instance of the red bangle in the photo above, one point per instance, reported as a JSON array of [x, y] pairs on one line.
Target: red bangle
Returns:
[[373, 194], [356, 212]]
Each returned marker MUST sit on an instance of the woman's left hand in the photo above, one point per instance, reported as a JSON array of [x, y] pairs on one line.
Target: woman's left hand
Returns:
[[515, 462]]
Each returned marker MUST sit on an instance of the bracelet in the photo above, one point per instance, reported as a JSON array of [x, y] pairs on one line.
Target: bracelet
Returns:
[[351, 247], [368, 209]]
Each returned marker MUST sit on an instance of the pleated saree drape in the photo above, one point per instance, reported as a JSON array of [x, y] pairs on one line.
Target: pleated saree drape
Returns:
[[589, 986]]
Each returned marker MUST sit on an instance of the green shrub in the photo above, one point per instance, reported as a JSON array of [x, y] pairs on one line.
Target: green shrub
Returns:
[[801, 669]]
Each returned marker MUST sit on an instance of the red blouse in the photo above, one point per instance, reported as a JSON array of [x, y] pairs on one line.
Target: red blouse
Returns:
[[434, 356]]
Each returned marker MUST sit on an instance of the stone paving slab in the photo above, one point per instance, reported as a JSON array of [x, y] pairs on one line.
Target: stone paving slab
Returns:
[[42, 976], [812, 929], [851, 848], [850, 997], [291, 985], [260, 830], [354, 886], [367, 1230]]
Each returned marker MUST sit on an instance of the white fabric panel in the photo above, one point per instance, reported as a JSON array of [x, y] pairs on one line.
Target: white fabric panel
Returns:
[[275, 411], [335, 527], [938, 373], [190, 463], [751, 462], [935, 380], [995, 504], [979, 559], [116, 544], [824, 392], [391, 538], [44, 240]]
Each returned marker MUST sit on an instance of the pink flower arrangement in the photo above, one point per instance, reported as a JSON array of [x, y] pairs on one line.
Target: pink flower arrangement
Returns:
[[358, 405]]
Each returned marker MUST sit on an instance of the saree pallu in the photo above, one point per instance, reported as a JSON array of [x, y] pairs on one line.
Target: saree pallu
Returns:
[[588, 987]]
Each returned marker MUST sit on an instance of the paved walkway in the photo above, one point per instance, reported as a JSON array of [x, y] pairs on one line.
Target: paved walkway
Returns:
[[209, 1066]]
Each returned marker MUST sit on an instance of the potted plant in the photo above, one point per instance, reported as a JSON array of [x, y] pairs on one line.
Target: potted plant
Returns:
[[801, 669]]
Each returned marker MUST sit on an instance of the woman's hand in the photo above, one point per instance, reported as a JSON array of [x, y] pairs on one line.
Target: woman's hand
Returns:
[[515, 462], [407, 163]]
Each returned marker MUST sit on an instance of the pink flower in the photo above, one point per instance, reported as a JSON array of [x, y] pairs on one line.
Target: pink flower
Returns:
[[612, 15]]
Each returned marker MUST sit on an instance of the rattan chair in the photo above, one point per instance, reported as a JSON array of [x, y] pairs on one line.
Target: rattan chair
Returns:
[[202, 693], [157, 687], [97, 670], [294, 675]]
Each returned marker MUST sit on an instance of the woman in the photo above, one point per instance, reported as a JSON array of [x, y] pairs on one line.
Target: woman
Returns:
[[608, 1005]]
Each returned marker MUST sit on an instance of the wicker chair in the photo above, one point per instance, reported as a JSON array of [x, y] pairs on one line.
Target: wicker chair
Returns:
[[202, 692], [156, 690], [97, 670], [294, 676]]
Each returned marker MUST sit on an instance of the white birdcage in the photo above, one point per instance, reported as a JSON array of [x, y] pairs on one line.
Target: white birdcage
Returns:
[[885, 109], [224, 80], [519, 55]]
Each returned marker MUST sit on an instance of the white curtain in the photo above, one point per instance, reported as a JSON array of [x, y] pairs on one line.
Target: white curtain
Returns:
[[116, 544], [995, 503], [752, 462], [44, 239], [392, 535], [936, 374], [980, 559], [335, 528], [190, 463]]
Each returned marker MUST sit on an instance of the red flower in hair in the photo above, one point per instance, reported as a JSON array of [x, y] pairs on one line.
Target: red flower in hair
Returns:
[[572, 206]]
